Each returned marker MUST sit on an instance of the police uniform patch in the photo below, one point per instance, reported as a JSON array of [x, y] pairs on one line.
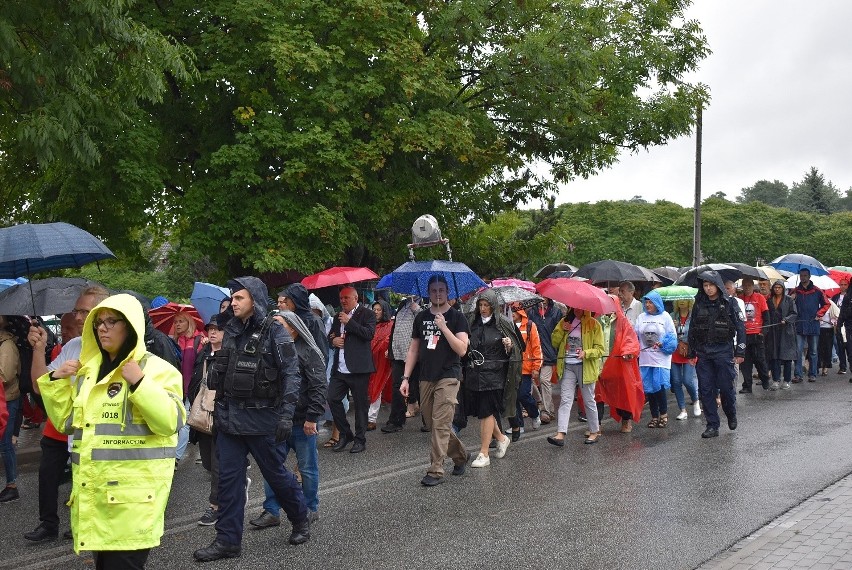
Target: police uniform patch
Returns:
[[113, 389]]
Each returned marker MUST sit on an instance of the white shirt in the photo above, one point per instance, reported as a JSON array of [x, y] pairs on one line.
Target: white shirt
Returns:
[[341, 360]]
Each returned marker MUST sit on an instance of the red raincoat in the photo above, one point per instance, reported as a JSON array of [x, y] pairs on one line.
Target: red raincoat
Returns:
[[380, 379], [620, 384]]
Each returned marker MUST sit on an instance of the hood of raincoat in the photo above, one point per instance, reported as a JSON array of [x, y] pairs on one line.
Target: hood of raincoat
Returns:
[[305, 335], [318, 305], [258, 291], [655, 298], [300, 297], [128, 306], [386, 310], [490, 296], [714, 278]]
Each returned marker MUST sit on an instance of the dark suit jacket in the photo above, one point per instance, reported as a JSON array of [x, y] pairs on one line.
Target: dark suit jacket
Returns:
[[356, 344]]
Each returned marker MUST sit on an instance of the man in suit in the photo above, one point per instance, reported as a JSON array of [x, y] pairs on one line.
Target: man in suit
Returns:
[[351, 334]]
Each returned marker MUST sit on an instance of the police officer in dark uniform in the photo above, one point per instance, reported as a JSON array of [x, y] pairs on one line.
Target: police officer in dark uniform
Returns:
[[257, 382], [717, 337]]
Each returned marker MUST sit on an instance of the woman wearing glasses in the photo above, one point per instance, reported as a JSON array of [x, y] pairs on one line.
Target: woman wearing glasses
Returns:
[[124, 407]]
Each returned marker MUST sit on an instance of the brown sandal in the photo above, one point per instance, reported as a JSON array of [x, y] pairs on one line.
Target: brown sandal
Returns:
[[663, 421], [331, 442], [654, 423]]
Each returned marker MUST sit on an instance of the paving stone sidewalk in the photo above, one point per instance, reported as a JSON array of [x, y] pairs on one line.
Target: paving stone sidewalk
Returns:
[[815, 534]]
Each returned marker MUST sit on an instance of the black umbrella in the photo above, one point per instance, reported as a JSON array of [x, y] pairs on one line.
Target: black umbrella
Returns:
[[749, 270], [615, 271], [51, 296], [550, 268], [667, 274], [726, 272]]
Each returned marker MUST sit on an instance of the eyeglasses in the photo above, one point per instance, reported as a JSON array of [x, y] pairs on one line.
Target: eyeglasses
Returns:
[[108, 322], [81, 312]]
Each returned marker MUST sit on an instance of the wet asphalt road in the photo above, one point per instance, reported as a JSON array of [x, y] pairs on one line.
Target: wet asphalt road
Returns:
[[655, 498]]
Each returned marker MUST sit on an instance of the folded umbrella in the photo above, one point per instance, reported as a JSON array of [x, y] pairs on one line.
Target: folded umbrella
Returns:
[[338, 276], [795, 262], [206, 298], [577, 295]]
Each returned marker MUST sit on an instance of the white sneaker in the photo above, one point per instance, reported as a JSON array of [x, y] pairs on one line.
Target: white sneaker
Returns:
[[502, 446], [508, 431], [696, 408], [682, 415], [481, 460], [536, 423], [785, 386]]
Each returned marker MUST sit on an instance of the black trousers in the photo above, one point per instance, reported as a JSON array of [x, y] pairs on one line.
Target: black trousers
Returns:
[[398, 407], [51, 469], [843, 349], [210, 462], [338, 387], [755, 357], [121, 559]]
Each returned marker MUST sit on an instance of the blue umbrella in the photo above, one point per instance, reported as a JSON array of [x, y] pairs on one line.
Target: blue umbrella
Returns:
[[795, 262], [412, 277], [6, 283], [386, 282], [32, 248], [206, 298]]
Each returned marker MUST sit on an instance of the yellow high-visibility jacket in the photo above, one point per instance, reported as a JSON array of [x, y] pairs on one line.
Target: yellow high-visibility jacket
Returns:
[[123, 450]]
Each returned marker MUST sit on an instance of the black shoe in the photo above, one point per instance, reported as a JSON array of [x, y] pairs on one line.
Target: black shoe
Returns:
[[209, 517], [216, 551], [493, 444], [430, 481], [68, 535], [344, 441], [582, 418], [732, 423], [358, 447], [9, 494], [557, 442], [391, 428], [811, 378], [745, 391], [424, 429], [40, 533], [265, 520], [516, 435], [461, 468], [710, 432], [301, 532]]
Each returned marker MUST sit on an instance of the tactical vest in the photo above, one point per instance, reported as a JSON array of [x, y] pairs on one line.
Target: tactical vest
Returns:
[[712, 323], [247, 372]]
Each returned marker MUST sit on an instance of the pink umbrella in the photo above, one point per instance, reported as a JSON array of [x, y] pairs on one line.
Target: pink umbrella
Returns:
[[511, 281], [338, 276], [577, 294]]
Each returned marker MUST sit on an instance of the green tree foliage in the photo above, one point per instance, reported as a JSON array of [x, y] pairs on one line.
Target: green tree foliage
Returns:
[[316, 131], [773, 193], [520, 242], [813, 194]]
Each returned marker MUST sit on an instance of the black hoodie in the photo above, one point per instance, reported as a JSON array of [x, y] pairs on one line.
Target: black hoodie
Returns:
[[233, 416], [301, 298]]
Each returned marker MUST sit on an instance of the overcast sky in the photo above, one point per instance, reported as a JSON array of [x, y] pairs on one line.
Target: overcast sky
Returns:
[[780, 79]]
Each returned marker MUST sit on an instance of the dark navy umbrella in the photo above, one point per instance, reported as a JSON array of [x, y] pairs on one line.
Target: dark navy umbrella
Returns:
[[726, 272], [613, 271], [795, 262], [412, 278], [32, 248]]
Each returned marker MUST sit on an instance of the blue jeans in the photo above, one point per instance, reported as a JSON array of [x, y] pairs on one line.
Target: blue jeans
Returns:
[[183, 434], [812, 355], [775, 365], [10, 459], [684, 375], [305, 447]]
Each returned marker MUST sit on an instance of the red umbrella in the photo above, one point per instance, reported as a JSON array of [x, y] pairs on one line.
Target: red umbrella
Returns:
[[164, 317], [839, 276], [338, 276], [577, 294]]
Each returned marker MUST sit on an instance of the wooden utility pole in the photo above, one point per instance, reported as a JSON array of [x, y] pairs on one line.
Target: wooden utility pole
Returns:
[[696, 232]]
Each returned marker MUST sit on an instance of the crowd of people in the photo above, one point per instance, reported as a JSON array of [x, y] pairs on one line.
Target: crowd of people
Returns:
[[123, 400]]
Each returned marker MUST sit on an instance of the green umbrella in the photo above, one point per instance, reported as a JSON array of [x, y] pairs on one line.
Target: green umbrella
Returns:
[[845, 268], [676, 292]]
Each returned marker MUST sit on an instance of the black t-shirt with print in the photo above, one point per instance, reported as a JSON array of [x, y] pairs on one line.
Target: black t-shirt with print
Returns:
[[437, 358]]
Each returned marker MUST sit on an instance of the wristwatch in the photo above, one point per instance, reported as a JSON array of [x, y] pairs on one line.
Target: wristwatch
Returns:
[[406, 378]]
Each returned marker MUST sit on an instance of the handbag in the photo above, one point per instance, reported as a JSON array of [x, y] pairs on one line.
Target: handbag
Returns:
[[201, 411]]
